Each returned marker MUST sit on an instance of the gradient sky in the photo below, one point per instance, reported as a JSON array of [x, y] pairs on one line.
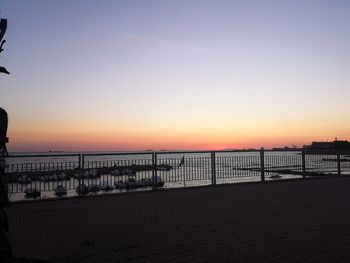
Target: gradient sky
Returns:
[[135, 75]]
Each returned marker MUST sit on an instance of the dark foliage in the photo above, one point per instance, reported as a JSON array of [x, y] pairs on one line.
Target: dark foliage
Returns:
[[3, 28], [5, 248]]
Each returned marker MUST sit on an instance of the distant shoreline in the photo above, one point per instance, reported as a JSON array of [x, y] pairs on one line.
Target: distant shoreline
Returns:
[[307, 151]]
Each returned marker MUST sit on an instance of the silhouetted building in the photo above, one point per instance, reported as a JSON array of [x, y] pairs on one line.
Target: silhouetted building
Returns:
[[335, 145]]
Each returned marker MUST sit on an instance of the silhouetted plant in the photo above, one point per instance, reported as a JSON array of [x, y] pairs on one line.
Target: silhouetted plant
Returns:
[[3, 28], [5, 248]]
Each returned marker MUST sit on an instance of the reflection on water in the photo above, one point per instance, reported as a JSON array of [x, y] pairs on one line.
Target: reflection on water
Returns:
[[187, 170]]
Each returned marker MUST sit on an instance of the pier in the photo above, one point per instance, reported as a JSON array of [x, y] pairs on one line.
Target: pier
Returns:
[[304, 220]]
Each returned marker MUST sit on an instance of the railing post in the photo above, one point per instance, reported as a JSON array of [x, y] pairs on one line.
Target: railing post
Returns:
[[338, 163], [82, 156], [213, 168], [79, 167], [262, 164], [303, 163], [154, 171]]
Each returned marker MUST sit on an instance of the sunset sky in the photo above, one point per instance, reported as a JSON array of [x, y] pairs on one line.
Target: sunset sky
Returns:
[[135, 75]]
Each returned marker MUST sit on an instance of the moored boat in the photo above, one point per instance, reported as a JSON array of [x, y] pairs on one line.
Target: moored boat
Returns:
[[105, 186], [24, 179], [132, 183], [60, 190], [32, 193], [94, 188], [275, 176], [82, 189]]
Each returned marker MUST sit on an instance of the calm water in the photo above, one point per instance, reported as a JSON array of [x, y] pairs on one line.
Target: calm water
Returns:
[[188, 169]]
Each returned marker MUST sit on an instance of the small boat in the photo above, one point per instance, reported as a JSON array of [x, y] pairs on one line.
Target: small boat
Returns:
[[54, 177], [32, 193], [48, 178], [145, 182], [105, 186], [115, 172], [44, 178], [275, 176], [82, 189], [119, 184], [131, 183], [24, 180], [159, 182], [94, 188], [91, 173], [128, 172], [164, 167], [62, 177], [60, 190]]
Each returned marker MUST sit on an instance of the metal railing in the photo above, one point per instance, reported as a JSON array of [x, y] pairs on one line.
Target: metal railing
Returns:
[[91, 173]]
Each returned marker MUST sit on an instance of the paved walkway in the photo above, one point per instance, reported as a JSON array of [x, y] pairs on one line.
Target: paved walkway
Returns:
[[295, 221]]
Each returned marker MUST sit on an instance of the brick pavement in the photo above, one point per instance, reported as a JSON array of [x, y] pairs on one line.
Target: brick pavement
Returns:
[[295, 221]]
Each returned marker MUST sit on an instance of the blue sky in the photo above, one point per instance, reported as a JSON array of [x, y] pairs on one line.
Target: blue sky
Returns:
[[175, 74]]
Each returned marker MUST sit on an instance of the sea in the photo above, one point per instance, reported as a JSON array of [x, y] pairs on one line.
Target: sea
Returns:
[[187, 169]]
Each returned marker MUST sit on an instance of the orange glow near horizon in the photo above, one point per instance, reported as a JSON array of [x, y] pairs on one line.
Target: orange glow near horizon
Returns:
[[80, 137]]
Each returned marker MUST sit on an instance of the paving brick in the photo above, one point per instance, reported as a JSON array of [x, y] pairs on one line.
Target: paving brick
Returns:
[[295, 221]]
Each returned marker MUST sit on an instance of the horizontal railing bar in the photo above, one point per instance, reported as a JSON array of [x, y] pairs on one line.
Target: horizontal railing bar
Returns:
[[234, 151], [119, 153], [330, 152], [180, 152], [42, 155]]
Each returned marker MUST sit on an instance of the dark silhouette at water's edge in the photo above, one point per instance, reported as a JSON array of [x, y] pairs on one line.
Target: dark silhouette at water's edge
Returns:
[[334, 147]]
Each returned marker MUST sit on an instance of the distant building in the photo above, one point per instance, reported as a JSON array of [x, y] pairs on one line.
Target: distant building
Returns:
[[335, 145], [285, 148]]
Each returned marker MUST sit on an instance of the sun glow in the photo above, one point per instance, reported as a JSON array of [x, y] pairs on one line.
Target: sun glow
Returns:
[[233, 75]]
